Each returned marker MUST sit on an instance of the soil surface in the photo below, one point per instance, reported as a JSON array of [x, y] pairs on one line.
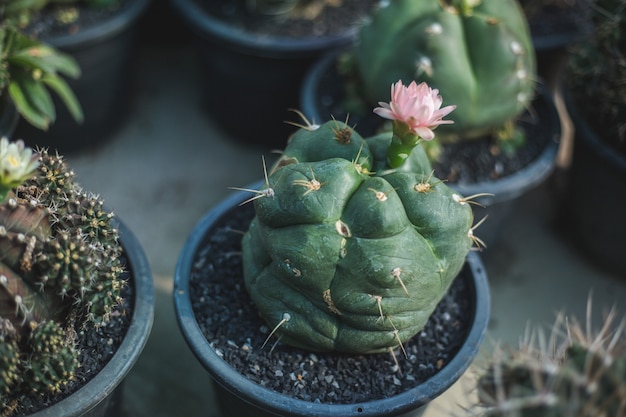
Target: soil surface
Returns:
[[60, 20], [332, 19], [96, 346], [233, 328]]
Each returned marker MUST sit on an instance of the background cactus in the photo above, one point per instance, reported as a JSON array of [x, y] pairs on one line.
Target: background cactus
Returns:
[[346, 253], [60, 272], [477, 53], [577, 373]]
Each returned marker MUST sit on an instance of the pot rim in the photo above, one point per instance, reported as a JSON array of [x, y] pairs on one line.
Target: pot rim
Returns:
[[222, 33], [102, 30], [503, 189], [272, 401], [111, 376]]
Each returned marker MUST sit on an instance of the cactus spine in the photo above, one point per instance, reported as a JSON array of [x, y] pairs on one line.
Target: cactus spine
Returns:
[[477, 53], [60, 272], [346, 253], [578, 374]]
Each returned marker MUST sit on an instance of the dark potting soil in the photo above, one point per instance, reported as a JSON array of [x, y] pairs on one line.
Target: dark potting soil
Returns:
[[331, 20], [465, 162], [233, 328], [60, 20], [96, 346]]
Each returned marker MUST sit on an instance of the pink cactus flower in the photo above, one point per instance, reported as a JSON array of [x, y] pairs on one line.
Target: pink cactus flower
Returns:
[[416, 105]]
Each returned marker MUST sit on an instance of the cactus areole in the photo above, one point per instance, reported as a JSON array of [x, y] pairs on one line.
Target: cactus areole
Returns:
[[478, 53], [347, 252]]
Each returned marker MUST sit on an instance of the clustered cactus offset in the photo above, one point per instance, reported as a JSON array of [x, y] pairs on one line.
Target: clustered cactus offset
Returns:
[[354, 241], [60, 270], [477, 53], [579, 372]]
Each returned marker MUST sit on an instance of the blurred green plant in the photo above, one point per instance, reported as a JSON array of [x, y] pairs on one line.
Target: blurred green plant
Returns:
[[29, 70]]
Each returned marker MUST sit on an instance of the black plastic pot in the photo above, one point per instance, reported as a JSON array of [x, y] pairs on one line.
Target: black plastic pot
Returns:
[[106, 52], [241, 397], [506, 190], [592, 211], [553, 30], [252, 81], [102, 395]]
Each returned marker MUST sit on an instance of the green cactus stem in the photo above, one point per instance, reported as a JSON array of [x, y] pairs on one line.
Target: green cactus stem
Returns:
[[60, 272], [477, 53], [346, 253], [52, 360]]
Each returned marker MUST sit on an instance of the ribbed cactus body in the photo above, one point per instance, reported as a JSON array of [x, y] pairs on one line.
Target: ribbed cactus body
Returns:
[[479, 55], [59, 272], [346, 254]]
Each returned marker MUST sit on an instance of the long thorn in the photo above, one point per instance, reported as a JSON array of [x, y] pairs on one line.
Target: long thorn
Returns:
[[286, 318]]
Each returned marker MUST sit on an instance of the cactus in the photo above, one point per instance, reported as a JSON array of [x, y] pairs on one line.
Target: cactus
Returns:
[[60, 270], [354, 241], [579, 373], [477, 53]]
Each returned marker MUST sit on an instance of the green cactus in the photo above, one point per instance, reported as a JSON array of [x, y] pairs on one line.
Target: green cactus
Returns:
[[60, 271], [346, 253], [579, 374], [477, 53], [9, 357]]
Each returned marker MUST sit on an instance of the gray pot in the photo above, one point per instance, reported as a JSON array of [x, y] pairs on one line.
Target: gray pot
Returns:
[[241, 397]]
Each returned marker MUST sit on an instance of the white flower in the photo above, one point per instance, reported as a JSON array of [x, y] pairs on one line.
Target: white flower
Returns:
[[17, 163]]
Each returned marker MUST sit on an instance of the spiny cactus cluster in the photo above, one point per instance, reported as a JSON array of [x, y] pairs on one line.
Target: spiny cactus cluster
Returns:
[[578, 373], [352, 247], [477, 53], [60, 271]]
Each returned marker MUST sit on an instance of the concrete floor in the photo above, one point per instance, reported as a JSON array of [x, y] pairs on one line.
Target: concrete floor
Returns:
[[170, 164]]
